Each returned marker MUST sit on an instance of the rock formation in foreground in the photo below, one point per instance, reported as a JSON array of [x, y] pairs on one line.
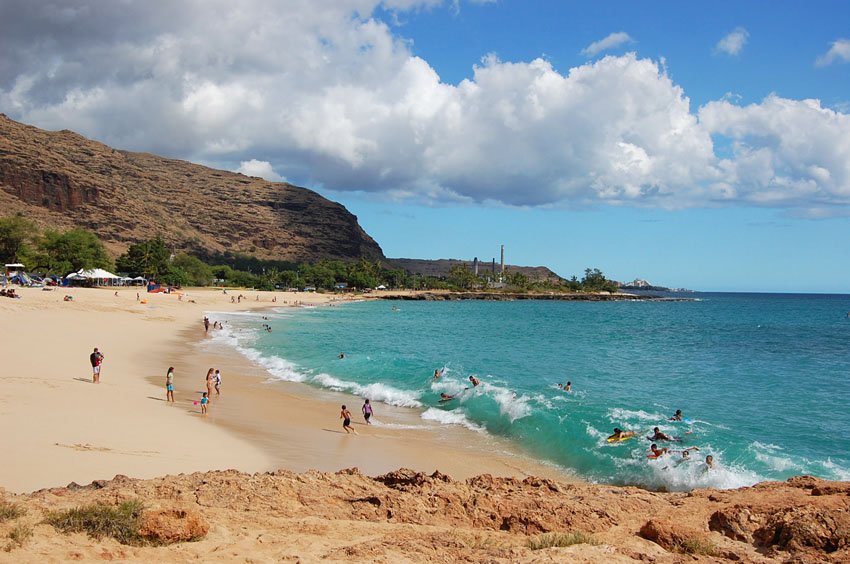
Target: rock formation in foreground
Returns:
[[63, 180], [405, 516]]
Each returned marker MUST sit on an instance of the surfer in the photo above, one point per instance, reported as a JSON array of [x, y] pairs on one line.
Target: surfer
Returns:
[[620, 435], [661, 436], [677, 416], [656, 452]]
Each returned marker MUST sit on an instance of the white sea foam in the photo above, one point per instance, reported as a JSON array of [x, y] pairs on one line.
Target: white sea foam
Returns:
[[618, 414], [379, 423], [454, 417], [375, 392], [838, 472], [510, 405]]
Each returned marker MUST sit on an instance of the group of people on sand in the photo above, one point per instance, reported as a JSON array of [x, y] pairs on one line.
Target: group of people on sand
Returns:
[[215, 324], [658, 435], [10, 293], [345, 415]]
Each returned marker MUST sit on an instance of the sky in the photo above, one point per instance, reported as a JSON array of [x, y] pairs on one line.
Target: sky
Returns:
[[698, 145]]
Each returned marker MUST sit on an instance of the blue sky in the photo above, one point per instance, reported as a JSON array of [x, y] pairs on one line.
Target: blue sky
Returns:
[[694, 145]]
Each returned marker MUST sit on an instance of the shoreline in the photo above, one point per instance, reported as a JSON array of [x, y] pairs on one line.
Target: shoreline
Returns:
[[68, 430], [398, 438]]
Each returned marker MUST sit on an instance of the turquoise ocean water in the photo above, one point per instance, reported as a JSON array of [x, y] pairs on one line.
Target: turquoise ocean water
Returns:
[[761, 378]]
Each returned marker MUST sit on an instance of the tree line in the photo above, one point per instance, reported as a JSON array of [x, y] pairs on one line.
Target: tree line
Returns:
[[61, 252]]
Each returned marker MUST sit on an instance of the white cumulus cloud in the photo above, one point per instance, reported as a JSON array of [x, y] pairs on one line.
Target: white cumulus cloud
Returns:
[[839, 51], [732, 43], [609, 42], [326, 94], [263, 169]]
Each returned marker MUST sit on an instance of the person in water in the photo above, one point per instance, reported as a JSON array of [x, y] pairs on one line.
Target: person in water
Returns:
[[437, 374], [341, 355], [661, 436], [367, 411], [474, 381], [619, 434], [656, 452], [709, 462], [445, 397], [677, 416], [345, 415]]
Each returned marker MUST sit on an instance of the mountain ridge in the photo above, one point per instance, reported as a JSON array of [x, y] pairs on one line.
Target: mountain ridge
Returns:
[[62, 180]]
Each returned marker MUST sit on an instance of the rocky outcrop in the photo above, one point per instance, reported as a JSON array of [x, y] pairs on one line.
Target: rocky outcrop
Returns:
[[407, 516], [169, 526], [61, 180]]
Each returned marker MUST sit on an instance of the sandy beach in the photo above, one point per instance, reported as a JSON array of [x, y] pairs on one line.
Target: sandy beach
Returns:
[[61, 428]]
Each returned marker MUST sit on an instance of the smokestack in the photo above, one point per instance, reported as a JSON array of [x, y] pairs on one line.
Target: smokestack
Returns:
[[494, 266], [503, 260], [475, 265]]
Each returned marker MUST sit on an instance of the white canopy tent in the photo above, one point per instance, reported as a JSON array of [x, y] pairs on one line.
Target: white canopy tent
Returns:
[[96, 276]]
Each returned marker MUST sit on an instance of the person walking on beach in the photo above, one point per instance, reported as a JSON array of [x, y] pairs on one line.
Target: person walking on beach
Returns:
[[169, 385], [210, 380], [367, 411], [345, 415], [96, 359], [204, 401], [206, 324], [217, 379]]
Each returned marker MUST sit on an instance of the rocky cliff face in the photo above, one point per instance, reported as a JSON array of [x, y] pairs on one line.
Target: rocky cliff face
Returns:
[[405, 516], [61, 180]]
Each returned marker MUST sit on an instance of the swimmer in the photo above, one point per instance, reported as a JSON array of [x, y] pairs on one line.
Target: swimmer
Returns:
[[437, 374], [446, 397], [341, 355], [568, 387], [656, 452], [677, 416], [709, 462], [686, 454], [619, 434], [660, 436], [474, 381]]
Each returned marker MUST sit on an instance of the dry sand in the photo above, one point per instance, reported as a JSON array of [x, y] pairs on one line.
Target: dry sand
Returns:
[[58, 427]]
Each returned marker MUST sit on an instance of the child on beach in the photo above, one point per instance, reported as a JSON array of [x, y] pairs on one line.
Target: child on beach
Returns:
[[209, 381], [96, 359], [367, 411], [345, 415], [217, 382], [169, 385], [204, 401]]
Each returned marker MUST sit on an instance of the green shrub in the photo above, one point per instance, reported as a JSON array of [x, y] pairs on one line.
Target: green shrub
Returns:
[[549, 540], [9, 511], [19, 534], [120, 522], [696, 545]]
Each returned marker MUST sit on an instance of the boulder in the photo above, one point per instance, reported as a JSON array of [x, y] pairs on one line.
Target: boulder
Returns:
[[168, 526]]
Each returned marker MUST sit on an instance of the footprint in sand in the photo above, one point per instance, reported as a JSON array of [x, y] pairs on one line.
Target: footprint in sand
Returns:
[[91, 448]]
